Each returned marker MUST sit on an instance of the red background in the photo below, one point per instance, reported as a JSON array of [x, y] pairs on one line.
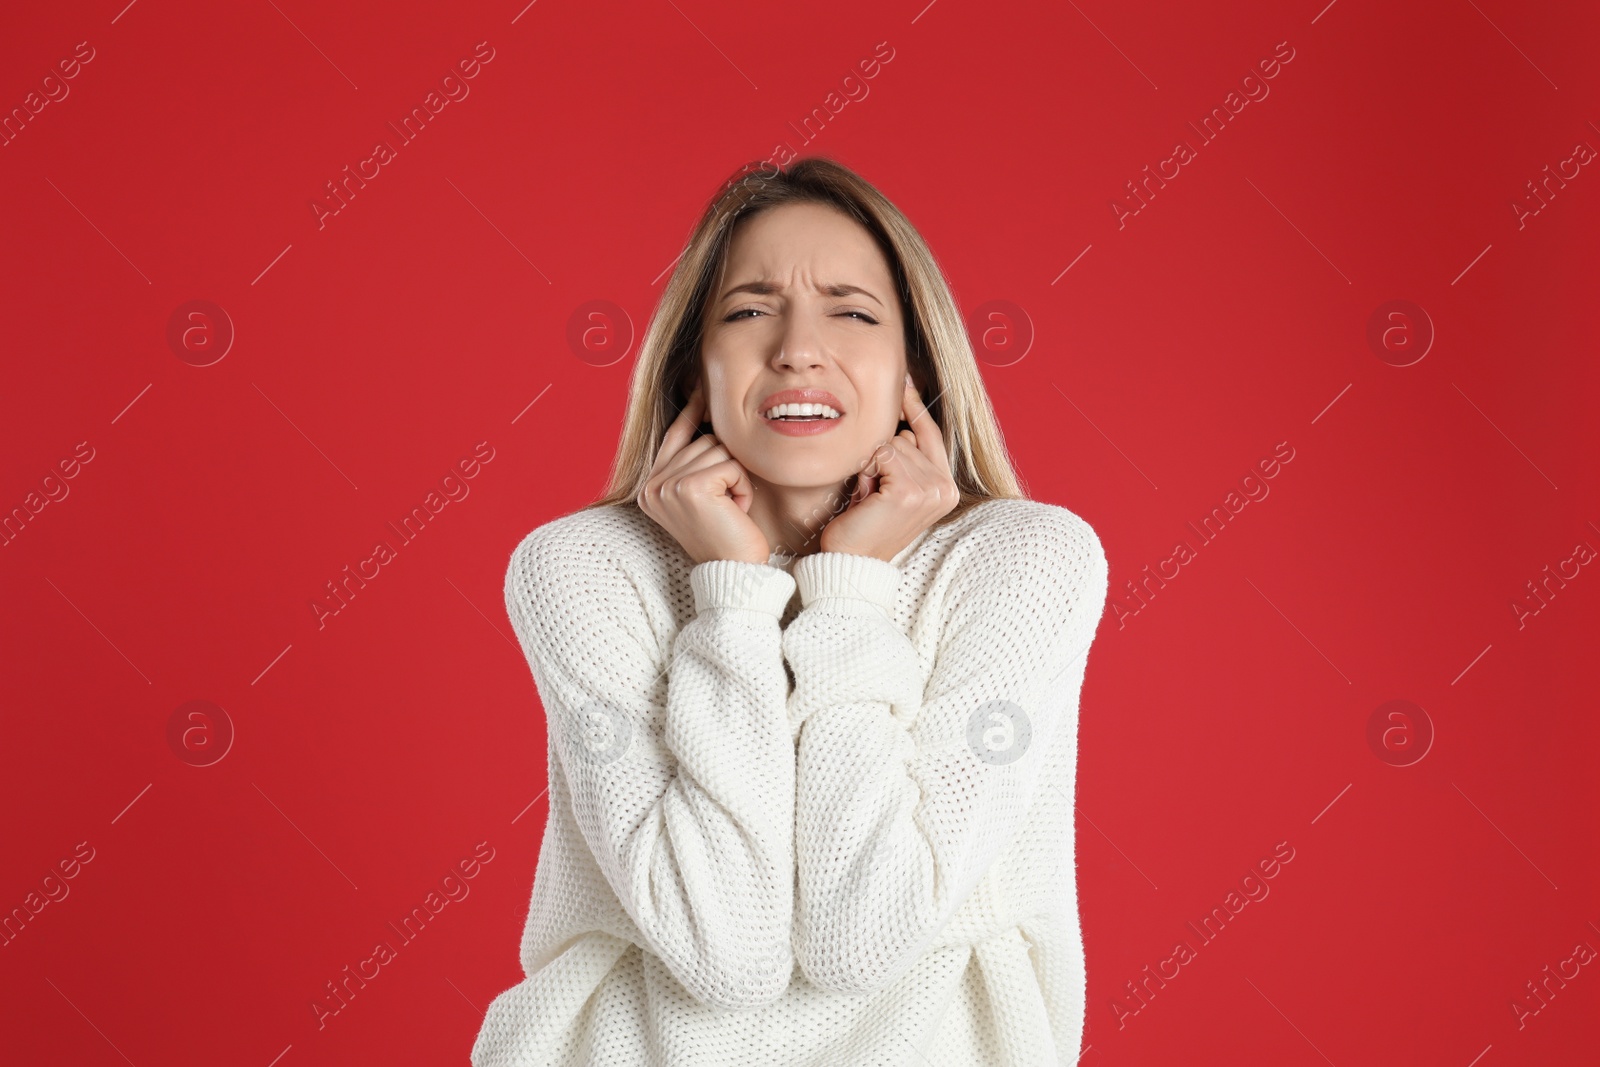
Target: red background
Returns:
[[1229, 714]]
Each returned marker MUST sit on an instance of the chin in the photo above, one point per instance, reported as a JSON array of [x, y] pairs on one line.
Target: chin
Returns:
[[843, 459], [801, 476]]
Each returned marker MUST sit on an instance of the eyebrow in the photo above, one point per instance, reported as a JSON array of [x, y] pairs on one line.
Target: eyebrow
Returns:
[[768, 288]]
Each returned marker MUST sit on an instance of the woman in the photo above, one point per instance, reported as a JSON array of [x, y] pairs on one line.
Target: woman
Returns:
[[811, 684]]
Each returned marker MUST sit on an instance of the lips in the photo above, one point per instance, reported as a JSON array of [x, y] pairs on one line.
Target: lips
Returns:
[[800, 396]]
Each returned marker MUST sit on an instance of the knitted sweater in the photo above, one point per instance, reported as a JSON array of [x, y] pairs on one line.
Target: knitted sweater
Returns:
[[816, 811]]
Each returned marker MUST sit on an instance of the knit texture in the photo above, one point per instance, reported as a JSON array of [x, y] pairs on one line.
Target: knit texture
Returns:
[[805, 814]]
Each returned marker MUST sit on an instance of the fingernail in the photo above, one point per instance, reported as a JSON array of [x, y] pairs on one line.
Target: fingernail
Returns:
[[908, 378]]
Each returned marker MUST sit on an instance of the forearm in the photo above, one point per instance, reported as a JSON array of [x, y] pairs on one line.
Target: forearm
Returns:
[[682, 777], [910, 777]]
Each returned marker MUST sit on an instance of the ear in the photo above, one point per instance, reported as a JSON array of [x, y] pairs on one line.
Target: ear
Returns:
[[917, 364]]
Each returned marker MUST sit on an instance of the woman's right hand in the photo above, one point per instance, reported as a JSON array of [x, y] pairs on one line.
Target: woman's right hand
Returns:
[[701, 495]]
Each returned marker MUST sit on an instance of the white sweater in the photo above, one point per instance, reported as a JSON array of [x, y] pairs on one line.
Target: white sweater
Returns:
[[831, 829]]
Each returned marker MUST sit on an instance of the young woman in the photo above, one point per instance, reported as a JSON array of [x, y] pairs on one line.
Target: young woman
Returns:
[[811, 684]]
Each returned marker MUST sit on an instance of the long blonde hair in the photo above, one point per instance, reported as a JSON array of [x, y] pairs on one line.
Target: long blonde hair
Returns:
[[938, 352]]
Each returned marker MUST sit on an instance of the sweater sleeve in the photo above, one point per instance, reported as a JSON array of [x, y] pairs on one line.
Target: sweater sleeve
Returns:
[[680, 761], [907, 790]]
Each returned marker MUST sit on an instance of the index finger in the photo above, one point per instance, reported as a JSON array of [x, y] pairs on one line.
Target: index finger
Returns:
[[681, 432], [930, 442]]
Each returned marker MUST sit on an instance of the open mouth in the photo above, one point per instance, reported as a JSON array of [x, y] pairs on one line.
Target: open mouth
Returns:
[[802, 413]]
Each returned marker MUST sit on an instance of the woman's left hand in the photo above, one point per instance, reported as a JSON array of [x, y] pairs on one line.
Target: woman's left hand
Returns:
[[905, 489]]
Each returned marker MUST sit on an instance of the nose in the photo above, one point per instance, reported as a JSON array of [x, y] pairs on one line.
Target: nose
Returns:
[[800, 345]]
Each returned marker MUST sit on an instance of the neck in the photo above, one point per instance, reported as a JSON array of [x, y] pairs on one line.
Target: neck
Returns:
[[793, 517]]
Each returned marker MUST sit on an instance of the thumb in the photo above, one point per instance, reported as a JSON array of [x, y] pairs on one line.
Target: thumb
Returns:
[[865, 485], [738, 483]]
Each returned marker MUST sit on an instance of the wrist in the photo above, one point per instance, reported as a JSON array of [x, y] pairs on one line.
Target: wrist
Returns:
[[732, 583], [846, 576], [842, 547], [882, 555], [732, 557]]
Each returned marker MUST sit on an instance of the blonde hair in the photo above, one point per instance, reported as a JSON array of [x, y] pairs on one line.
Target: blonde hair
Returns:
[[938, 352]]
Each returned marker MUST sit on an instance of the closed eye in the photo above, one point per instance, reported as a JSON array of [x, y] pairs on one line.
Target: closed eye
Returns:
[[863, 316]]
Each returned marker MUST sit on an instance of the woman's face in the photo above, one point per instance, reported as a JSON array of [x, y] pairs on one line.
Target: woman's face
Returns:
[[806, 303]]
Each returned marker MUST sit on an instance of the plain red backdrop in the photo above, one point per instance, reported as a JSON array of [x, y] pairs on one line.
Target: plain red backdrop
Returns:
[[1142, 364]]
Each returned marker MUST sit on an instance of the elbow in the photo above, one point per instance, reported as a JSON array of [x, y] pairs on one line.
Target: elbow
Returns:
[[738, 985], [851, 966]]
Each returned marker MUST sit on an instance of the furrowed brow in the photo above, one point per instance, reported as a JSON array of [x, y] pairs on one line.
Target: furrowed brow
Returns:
[[764, 288]]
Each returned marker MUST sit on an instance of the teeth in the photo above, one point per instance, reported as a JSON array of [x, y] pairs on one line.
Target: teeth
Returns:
[[802, 409]]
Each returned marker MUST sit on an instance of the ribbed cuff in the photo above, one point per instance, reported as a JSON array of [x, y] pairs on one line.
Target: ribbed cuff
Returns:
[[733, 583], [843, 574]]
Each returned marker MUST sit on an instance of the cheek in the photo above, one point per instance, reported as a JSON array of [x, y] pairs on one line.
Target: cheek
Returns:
[[870, 435], [884, 413], [722, 405]]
